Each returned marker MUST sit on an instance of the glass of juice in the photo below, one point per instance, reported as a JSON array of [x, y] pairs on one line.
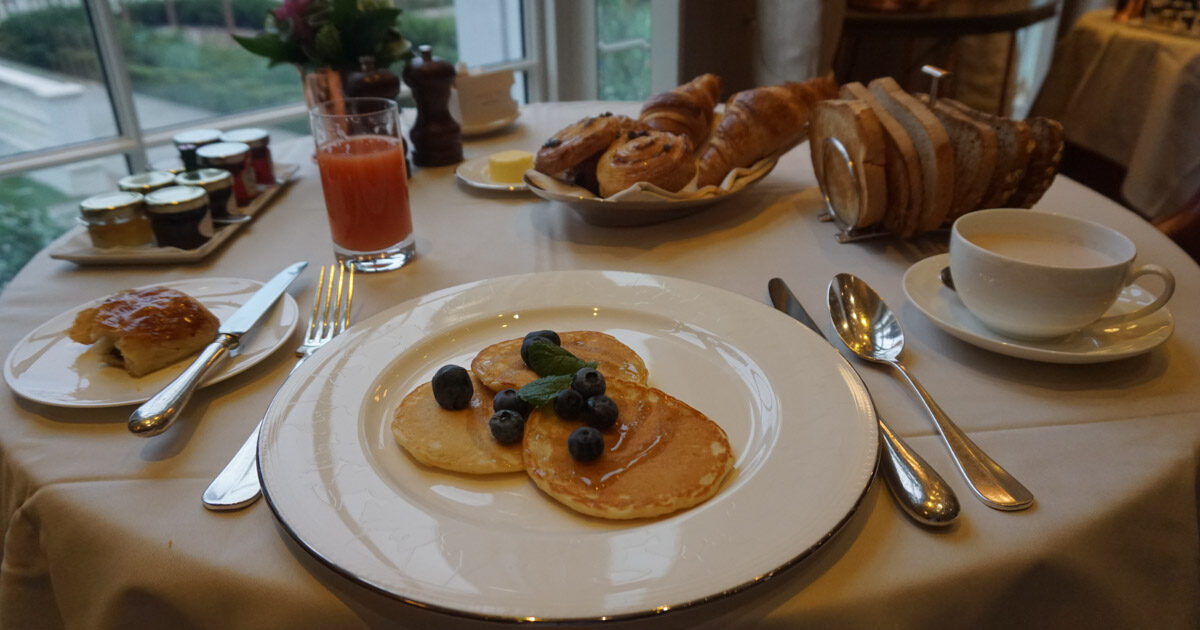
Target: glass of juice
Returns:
[[360, 154]]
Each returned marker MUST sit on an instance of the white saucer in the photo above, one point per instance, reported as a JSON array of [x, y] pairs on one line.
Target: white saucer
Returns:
[[474, 172], [480, 129], [1091, 345]]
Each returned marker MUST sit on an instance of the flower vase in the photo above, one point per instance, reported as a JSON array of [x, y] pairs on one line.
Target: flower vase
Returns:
[[320, 85]]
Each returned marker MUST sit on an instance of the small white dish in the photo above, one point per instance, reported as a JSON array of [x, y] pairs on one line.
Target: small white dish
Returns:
[[76, 245], [475, 172], [492, 546], [488, 127], [46, 366], [924, 288]]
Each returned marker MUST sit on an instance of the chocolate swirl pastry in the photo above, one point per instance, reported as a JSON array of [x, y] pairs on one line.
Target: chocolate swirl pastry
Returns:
[[572, 146], [657, 157]]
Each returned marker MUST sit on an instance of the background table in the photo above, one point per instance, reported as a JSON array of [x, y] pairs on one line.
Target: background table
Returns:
[[103, 529], [1132, 95]]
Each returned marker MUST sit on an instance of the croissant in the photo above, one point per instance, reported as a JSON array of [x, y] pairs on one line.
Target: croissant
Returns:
[[657, 157], [686, 110], [759, 123]]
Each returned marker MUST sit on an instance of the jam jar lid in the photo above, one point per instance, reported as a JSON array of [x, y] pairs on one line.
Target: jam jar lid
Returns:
[[206, 178], [116, 206], [252, 136], [146, 182], [197, 137], [174, 199], [223, 153]]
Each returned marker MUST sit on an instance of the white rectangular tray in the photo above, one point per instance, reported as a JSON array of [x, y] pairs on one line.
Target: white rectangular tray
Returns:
[[76, 245]]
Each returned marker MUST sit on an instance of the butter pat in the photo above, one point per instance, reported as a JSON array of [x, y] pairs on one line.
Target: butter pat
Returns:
[[508, 167]]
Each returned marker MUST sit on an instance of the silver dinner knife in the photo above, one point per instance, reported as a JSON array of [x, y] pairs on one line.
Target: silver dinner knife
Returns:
[[156, 414], [918, 488]]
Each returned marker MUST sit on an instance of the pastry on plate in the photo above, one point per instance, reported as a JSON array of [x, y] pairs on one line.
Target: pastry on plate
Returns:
[[660, 158], [143, 330]]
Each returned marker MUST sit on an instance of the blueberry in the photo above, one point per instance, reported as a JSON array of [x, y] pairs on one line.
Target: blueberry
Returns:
[[585, 444], [509, 399], [601, 412], [452, 387], [507, 426], [534, 337], [568, 404], [588, 382]]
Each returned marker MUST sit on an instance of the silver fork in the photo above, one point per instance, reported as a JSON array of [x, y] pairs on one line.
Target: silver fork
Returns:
[[237, 485]]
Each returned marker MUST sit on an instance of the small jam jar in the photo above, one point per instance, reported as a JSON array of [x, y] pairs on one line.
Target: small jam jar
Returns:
[[186, 142], [146, 183], [233, 157], [260, 153], [218, 183], [180, 216], [116, 219]]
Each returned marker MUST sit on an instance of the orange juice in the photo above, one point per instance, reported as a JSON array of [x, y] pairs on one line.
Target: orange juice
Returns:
[[366, 192]]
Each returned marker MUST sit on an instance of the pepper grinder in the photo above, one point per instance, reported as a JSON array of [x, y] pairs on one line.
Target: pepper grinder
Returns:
[[436, 136]]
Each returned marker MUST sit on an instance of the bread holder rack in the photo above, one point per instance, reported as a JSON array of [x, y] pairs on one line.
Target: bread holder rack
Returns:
[[846, 216]]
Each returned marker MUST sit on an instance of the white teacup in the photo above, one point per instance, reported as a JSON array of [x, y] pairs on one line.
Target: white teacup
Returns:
[[1037, 275]]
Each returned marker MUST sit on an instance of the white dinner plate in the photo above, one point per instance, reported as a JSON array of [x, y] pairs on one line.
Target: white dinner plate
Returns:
[[475, 173], [48, 367], [76, 245], [800, 423], [1091, 345]]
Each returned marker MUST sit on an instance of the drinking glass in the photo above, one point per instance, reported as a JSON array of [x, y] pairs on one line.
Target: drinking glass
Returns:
[[360, 153]]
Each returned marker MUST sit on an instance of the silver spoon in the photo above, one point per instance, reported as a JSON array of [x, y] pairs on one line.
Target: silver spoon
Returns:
[[870, 330]]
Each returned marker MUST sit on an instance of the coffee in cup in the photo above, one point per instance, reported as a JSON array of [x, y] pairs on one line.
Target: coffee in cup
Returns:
[[1037, 275]]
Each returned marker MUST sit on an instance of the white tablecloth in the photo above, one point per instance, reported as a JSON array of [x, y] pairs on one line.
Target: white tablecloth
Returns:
[[103, 529], [1131, 94]]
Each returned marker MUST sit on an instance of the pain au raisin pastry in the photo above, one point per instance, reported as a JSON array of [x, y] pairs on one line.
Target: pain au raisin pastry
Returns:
[[687, 110], [143, 330], [656, 157], [572, 146]]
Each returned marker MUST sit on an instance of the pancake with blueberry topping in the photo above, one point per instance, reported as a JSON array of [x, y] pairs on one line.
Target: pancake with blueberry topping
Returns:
[[456, 440], [661, 456], [500, 365]]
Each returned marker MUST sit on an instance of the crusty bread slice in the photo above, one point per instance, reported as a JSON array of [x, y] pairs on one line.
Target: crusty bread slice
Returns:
[[1048, 142], [854, 124], [905, 189], [975, 151], [933, 148], [1014, 143]]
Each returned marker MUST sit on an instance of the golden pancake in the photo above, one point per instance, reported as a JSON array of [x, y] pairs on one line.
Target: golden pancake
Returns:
[[660, 456], [453, 440], [500, 365]]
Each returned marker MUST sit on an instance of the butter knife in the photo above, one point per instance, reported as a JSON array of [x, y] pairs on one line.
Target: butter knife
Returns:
[[918, 488], [158, 413]]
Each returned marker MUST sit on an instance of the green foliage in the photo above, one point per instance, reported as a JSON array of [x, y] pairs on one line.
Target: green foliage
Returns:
[[248, 14], [438, 32], [55, 38], [623, 75], [25, 228]]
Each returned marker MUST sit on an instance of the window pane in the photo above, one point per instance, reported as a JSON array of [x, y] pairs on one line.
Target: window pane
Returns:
[[37, 206], [51, 85], [623, 55], [184, 65]]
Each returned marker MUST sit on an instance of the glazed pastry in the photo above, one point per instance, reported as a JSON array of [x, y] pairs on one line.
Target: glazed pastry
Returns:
[[656, 157], [687, 110], [572, 146], [759, 123], [147, 329]]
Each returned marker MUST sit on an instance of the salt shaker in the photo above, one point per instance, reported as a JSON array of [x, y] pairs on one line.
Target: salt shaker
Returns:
[[436, 136]]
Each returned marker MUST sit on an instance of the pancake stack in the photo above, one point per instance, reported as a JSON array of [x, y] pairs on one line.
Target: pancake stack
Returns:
[[660, 456]]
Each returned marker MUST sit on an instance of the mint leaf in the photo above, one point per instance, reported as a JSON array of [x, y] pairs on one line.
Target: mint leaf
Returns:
[[543, 390], [548, 359]]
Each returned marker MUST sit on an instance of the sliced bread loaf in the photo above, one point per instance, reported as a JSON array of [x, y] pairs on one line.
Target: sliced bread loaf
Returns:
[[855, 125], [975, 152], [1048, 142], [902, 167], [933, 148], [1014, 143]]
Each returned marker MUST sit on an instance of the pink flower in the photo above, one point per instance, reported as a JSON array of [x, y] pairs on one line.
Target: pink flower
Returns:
[[293, 11]]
